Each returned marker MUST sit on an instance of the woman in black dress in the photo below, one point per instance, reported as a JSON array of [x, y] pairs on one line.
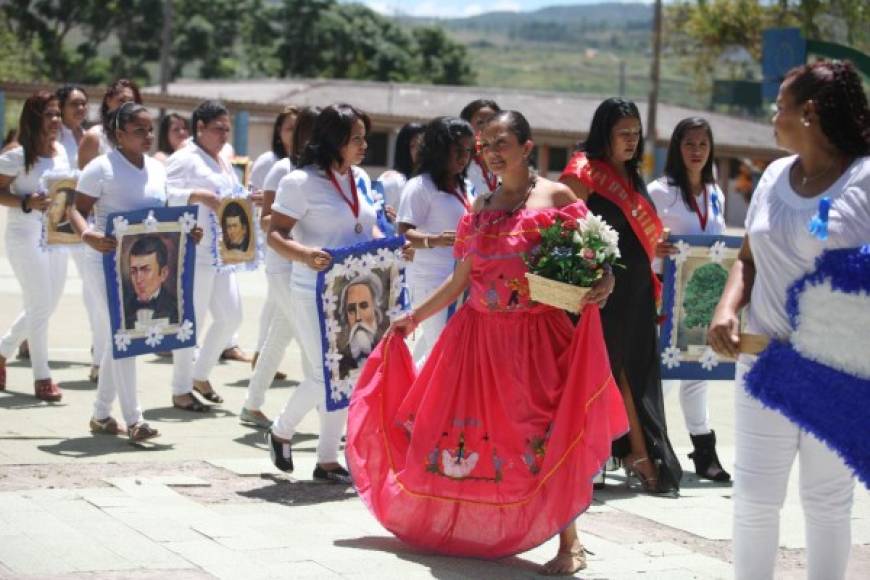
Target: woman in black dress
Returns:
[[605, 174]]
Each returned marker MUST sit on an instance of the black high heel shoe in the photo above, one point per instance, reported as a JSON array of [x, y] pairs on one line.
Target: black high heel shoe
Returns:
[[705, 458]]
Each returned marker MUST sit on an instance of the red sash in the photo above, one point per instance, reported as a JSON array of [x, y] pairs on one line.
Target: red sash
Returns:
[[599, 177]]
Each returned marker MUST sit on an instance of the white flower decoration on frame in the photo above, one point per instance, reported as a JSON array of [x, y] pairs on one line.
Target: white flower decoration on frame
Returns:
[[671, 357], [717, 252], [121, 225], [682, 252], [709, 359], [187, 222], [155, 335], [150, 223], [185, 331], [122, 341]]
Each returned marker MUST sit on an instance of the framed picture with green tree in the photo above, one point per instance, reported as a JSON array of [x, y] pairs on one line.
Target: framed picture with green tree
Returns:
[[694, 279]]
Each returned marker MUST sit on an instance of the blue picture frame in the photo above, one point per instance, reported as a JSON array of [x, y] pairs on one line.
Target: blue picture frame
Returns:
[[379, 265], [683, 349], [136, 330]]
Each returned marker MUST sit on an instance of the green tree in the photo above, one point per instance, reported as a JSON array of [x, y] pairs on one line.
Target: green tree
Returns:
[[702, 294]]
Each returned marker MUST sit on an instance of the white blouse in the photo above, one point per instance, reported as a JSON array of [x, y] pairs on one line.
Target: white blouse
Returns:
[[29, 182]]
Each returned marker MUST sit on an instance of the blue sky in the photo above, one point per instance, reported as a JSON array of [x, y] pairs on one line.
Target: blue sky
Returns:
[[459, 8]]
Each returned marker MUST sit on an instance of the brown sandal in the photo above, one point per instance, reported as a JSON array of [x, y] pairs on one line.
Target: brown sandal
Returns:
[[578, 562], [209, 395], [142, 431], [107, 426]]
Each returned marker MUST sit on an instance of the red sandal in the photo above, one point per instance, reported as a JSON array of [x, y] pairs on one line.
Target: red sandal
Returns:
[[46, 390]]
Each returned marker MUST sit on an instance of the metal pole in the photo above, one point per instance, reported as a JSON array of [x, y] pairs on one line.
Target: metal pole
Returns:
[[621, 78], [165, 50], [652, 105]]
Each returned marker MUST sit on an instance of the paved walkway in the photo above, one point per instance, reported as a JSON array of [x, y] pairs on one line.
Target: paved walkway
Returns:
[[204, 502]]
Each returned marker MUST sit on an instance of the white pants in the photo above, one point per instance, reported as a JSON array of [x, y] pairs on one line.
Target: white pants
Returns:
[[430, 329], [279, 333], [311, 393], [92, 303], [117, 376], [216, 293], [766, 446], [41, 274], [693, 402], [269, 312]]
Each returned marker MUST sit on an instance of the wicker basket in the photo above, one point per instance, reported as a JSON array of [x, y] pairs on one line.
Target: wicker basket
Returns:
[[553, 293]]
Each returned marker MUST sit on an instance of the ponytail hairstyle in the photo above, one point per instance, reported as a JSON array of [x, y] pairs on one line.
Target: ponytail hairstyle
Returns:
[[597, 144], [841, 104], [277, 144], [675, 166], [332, 131], [113, 90], [305, 120], [206, 111], [439, 136], [121, 117], [403, 161], [163, 143], [30, 133]]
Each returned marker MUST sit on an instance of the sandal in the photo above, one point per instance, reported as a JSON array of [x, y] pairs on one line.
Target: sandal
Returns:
[[647, 482], [94, 374], [209, 395], [142, 431], [46, 390], [3, 376], [577, 562], [107, 426], [195, 405]]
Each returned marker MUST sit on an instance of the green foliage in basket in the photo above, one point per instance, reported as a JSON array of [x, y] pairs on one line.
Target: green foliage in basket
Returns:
[[576, 252]]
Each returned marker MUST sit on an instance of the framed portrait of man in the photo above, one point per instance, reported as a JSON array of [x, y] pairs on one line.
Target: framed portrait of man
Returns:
[[57, 227], [694, 279], [237, 242], [149, 280], [357, 297], [242, 167]]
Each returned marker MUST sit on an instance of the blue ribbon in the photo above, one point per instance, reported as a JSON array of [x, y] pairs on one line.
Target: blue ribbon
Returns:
[[388, 229], [714, 200], [818, 225]]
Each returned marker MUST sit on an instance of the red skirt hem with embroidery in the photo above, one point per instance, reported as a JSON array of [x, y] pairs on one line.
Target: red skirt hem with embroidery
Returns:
[[492, 449]]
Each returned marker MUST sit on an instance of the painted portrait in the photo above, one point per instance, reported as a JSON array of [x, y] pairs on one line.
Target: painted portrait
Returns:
[[694, 280], [149, 280], [357, 297], [237, 242], [58, 228]]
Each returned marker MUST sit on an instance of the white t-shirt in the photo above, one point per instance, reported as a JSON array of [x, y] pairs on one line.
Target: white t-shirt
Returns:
[[261, 168], [477, 179], [782, 246], [324, 219], [393, 182], [66, 138], [430, 211], [191, 168], [275, 264], [25, 183], [118, 185]]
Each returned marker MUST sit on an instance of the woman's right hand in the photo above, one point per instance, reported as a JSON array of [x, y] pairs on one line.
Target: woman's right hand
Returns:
[[445, 239], [403, 326], [38, 202], [723, 334], [317, 259], [209, 199], [98, 241]]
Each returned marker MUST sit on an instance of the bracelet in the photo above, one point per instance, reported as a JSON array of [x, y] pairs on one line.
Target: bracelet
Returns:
[[426, 242], [410, 316], [24, 199]]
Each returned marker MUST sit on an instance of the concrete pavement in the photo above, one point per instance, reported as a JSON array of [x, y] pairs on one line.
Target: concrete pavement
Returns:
[[203, 501]]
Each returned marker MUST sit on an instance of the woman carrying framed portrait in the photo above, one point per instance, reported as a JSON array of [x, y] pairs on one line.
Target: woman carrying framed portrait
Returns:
[[40, 273]]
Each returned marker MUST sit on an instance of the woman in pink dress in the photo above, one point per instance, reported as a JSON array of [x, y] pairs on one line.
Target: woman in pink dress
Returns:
[[491, 448]]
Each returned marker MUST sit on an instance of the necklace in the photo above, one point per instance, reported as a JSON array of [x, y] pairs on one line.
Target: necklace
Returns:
[[533, 179], [352, 202], [807, 178]]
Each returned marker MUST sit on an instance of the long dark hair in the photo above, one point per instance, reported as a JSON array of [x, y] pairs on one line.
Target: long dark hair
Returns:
[[439, 136], [841, 103], [332, 131], [63, 95], [597, 144], [305, 120], [114, 90], [403, 162], [675, 166], [163, 143], [206, 111], [469, 110], [277, 144], [30, 125]]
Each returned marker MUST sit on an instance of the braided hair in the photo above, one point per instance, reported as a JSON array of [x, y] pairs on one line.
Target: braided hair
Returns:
[[841, 104]]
